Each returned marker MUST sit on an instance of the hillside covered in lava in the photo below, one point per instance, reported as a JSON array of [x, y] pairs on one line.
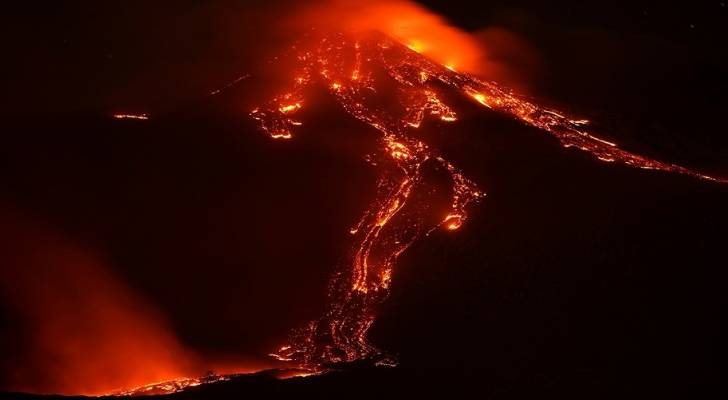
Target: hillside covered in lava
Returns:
[[354, 209]]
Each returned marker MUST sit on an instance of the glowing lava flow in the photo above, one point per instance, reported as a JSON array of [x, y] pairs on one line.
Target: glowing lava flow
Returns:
[[182, 384], [142, 117], [354, 68], [173, 386]]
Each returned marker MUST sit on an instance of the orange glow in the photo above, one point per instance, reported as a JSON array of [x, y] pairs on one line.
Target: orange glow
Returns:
[[281, 135], [417, 27], [398, 47], [416, 46], [382, 235], [453, 222], [480, 98], [143, 117], [169, 386], [386, 278], [289, 108], [296, 373], [412, 51], [399, 151], [91, 333]]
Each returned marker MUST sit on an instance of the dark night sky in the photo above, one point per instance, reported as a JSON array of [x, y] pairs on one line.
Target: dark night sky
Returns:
[[569, 269]]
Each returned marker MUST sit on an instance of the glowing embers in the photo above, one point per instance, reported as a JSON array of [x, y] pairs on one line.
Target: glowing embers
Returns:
[[280, 354], [438, 108], [286, 109], [297, 373], [173, 386], [453, 222], [182, 384], [276, 118], [281, 135], [479, 97], [398, 151], [386, 278], [422, 102], [568, 131], [142, 117]]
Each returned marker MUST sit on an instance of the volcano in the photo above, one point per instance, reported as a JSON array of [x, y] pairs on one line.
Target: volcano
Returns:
[[443, 164], [393, 89]]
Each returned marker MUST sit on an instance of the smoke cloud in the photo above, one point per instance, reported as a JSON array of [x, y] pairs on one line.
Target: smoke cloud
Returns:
[[492, 52], [82, 330]]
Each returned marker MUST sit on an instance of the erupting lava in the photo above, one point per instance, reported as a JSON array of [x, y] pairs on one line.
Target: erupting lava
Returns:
[[355, 67], [388, 65]]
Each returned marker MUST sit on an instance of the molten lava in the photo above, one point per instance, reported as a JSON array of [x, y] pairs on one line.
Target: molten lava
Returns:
[[172, 386], [142, 117], [419, 55], [355, 67]]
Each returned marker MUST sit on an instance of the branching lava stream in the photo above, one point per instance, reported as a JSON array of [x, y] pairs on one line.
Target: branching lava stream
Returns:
[[354, 67], [391, 68]]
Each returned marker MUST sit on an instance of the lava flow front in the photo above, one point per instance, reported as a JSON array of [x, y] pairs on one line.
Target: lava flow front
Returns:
[[355, 68]]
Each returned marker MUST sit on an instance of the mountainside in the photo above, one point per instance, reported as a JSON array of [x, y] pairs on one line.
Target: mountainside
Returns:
[[489, 256]]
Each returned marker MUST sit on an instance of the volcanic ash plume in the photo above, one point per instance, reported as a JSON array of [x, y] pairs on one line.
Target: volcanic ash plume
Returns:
[[86, 332]]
